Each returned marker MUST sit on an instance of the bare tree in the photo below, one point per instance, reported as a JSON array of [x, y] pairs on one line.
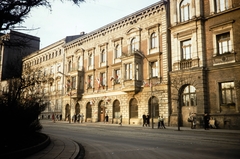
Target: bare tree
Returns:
[[14, 12], [178, 81]]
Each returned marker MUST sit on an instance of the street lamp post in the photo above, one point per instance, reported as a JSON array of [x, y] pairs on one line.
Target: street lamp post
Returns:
[[150, 84], [70, 95]]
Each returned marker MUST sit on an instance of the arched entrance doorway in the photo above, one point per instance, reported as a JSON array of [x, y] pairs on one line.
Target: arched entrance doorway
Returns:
[[133, 111], [88, 112], [67, 111], [153, 105], [101, 111], [188, 103], [116, 111], [77, 108]]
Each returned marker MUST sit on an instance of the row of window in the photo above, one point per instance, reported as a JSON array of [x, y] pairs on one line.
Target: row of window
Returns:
[[223, 44], [216, 6], [45, 58], [227, 94]]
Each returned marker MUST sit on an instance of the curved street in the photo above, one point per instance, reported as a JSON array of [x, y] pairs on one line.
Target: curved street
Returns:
[[111, 141]]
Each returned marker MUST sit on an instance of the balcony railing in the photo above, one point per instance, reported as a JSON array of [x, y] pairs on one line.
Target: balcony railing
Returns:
[[185, 64]]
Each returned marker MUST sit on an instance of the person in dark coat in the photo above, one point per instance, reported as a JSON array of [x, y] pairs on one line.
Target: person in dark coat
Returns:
[[206, 121], [106, 118], [148, 120], [144, 119]]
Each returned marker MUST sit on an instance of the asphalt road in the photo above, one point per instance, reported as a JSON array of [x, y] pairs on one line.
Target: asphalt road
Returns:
[[107, 141]]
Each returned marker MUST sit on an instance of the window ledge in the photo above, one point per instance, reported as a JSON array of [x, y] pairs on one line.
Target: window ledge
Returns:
[[224, 58]]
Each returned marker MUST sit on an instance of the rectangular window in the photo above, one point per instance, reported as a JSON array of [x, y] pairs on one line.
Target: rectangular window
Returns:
[[224, 43], [154, 69], [227, 93], [90, 60], [73, 82], [185, 14], [186, 49], [103, 56], [221, 5], [103, 79], [117, 75], [90, 81], [128, 71]]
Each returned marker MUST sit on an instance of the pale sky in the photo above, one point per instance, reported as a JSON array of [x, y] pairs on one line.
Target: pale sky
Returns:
[[67, 19]]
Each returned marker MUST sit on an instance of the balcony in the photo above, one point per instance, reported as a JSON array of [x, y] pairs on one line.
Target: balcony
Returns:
[[132, 86], [186, 64]]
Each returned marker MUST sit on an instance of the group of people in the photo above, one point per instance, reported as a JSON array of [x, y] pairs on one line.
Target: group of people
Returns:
[[146, 120], [193, 120], [77, 118]]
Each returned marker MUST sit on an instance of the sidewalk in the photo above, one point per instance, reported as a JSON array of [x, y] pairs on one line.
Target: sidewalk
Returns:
[[167, 127], [60, 148]]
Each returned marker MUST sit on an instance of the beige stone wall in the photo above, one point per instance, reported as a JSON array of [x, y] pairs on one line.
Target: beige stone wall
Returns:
[[139, 25]]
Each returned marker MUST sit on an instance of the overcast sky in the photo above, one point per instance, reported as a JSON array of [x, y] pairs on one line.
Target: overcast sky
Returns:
[[67, 19]]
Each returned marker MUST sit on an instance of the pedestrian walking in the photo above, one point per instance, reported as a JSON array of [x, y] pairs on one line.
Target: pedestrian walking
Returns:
[[82, 116], [206, 121], [78, 118], [106, 118], [193, 120], [60, 117], [144, 119], [148, 119], [159, 122], [162, 122], [53, 117], [120, 120]]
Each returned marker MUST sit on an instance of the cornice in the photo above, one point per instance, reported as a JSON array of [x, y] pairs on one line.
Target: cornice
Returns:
[[125, 21]]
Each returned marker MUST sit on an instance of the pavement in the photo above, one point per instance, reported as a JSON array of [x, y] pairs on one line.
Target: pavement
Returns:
[[65, 148]]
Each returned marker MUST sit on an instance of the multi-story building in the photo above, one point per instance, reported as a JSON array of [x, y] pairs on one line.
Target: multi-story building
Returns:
[[172, 59], [49, 64], [204, 70], [13, 47], [188, 61], [120, 69], [222, 49]]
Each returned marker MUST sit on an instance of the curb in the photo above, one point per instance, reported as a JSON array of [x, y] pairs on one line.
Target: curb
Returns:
[[27, 151], [81, 152]]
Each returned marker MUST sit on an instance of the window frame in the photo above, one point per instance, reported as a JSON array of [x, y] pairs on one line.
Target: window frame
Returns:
[[184, 54], [128, 71], [185, 6], [232, 94]]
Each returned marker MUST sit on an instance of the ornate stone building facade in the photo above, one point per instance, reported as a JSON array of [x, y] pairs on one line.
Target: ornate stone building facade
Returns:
[[222, 33], [172, 58], [112, 68], [47, 64], [204, 74]]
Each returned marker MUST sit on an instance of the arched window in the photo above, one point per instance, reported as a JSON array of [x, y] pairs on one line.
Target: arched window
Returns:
[[133, 108], [185, 10], [117, 51], [189, 97], [77, 108], [153, 40], [116, 109], [133, 45], [89, 111], [153, 105]]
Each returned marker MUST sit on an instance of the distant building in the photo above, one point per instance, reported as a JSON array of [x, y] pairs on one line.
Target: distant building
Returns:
[[48, 63], [13, 47]]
